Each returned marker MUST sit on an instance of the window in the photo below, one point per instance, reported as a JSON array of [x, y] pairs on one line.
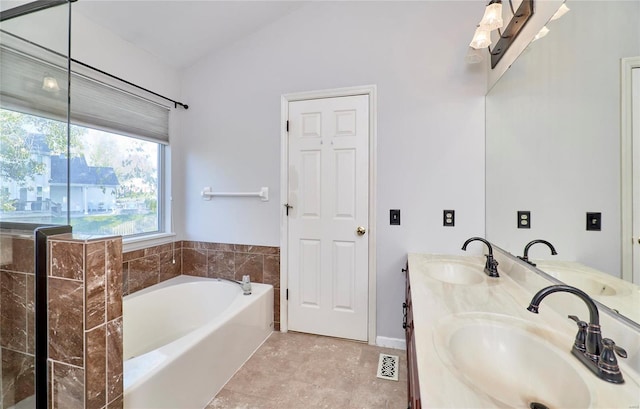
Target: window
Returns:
[[110, 184], [103, 174]]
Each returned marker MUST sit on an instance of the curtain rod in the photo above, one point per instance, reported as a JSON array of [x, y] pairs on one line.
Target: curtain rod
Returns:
[[175, 103], [32, 7]]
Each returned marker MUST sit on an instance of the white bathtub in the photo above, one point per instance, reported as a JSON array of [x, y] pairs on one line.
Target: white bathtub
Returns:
[[185, 338]]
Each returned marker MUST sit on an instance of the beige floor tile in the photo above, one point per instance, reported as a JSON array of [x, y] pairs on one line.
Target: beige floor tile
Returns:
[[293, 370], [227, 399]]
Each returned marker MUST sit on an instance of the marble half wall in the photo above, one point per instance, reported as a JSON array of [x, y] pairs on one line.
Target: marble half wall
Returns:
[[85, 322]]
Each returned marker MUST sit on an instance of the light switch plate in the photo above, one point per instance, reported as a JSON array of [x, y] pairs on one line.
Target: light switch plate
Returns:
[[394, 217], [594, 221]]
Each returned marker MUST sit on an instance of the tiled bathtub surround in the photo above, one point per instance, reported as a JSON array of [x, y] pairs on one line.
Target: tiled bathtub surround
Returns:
[[85, 322], [143, 268], [146, 267], [17, 288]]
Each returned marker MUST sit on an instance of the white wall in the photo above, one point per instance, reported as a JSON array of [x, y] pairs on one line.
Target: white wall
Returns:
[[553, 137], [430, 126]]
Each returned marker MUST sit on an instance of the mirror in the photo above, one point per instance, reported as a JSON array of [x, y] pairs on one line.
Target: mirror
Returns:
[[553, 146]]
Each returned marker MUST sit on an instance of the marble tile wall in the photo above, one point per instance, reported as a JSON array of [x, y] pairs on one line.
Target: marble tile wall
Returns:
[[85, 322], [17, 288], [146, 267], [143, 268]]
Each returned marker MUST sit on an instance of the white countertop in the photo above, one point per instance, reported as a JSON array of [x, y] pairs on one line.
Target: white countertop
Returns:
[[437, 304]]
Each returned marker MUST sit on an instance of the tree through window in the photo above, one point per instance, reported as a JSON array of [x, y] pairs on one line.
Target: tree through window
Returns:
[[104, 183]]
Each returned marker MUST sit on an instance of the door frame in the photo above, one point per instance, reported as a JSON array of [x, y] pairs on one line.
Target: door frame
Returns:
[[371, 92], [626, 165]]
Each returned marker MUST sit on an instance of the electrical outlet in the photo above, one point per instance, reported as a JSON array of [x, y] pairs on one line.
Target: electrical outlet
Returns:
[[448, 218], [524, 219], [394, 217], [594, 221]]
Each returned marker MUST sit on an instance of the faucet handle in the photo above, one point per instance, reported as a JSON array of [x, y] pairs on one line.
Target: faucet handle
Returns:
[[607, 362], [607, 343], [491, 266], [575, 318], [581, 336]]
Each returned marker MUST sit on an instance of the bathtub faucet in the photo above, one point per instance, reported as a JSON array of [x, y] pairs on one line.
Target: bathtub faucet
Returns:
[[245, 284]]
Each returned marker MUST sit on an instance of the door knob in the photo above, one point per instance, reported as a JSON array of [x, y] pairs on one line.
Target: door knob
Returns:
[[361, 231]]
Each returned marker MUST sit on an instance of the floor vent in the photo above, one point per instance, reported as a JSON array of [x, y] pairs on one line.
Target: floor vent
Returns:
[[388, 367]]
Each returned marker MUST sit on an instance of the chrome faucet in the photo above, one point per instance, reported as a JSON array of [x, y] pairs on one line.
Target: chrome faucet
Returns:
[[244, 284], [525, 256], [597, 354], [491, 266]]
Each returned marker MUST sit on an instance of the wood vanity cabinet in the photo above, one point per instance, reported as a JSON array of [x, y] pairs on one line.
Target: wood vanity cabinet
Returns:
[[412, 365]]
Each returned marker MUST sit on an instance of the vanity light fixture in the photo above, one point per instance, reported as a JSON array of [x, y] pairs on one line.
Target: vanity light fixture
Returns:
[[474, 56], [481, 38], [543, 32], [492, 20], [49, 83], [561, 12]]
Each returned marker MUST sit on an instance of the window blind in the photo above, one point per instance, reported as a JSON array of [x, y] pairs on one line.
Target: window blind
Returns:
[[93, 102]]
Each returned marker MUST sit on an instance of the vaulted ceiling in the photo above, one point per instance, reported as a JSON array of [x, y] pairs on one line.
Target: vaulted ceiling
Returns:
[[180, 32]]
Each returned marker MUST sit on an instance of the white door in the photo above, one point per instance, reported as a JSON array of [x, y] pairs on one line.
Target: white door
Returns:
[[635, 129], [328, 189]]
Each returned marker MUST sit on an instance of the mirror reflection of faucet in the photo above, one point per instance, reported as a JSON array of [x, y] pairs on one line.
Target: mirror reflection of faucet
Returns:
[[597, 354], [525, 256], [491, 266]]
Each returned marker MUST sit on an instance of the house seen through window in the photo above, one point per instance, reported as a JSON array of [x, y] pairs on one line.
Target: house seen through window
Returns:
[[102, 183]]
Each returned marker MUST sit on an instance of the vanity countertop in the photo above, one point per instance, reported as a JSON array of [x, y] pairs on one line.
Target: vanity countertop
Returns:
[[449, 292]]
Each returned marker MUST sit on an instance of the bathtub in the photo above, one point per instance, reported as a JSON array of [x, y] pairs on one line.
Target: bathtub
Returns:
[[185, 338]]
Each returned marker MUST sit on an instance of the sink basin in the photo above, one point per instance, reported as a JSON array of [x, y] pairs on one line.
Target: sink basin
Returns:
[[511, 361], [455, 272]]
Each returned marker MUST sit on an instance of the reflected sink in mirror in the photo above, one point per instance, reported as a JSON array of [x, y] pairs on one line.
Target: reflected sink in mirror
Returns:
[[456, 272], [617, 294], [515, 362], [591, 283]]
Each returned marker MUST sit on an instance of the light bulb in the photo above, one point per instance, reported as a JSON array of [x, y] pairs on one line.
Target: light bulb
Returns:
[[49, 83]]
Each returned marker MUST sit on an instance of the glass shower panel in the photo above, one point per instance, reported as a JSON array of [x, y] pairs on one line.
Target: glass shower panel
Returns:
[[33, 130], [33, 117], [17, 291]]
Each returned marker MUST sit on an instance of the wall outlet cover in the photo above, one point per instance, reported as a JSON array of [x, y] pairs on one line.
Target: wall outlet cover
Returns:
[[524, 219], [448, 218], [594, 221]]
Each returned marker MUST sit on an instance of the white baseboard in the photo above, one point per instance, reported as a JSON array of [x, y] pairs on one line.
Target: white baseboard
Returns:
[[395, 343]]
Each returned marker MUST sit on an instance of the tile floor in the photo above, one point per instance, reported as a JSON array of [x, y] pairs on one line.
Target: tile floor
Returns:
[[293, 370]]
